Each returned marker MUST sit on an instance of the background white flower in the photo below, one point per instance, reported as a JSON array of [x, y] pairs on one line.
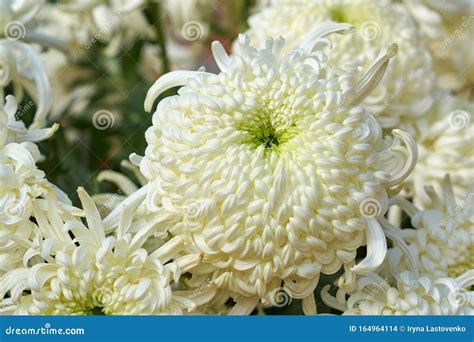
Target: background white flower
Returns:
[[91, 273], [442, 238], [408, 295], [445, 146], [406, 90]]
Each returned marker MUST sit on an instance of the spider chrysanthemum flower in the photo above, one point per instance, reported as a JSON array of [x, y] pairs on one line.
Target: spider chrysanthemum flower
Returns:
[[260, 167], [406, 90], [409, 295], [442, 241], [21, 183], [83, 271]]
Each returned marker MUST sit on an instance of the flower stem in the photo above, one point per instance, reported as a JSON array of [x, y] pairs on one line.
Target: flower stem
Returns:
[[155, 16]]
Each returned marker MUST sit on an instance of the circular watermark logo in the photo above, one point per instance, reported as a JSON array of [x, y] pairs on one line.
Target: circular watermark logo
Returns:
[[459, 119], [192, 30], [14, 30], [280, 297], [102, 296], [103, 119], [370, 30], [370, 208]]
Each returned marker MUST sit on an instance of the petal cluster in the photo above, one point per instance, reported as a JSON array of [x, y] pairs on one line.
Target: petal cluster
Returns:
[[83, 271], [266, 167]]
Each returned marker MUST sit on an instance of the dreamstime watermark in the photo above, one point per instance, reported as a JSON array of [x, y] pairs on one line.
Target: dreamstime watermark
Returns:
[[364, 129], [370, 30], [466, 21], [203, 287], [193, 30], [47, 329], [101, 296], [370, 208], [466, 203], [381, 108], [280, 297], [274, 214], [193, 209], [189, 302], [14, 30], [12, 211], [103, 32], [23, 109], [376, 289], [459, 119], [110, 203], [459, 297], [103, 119]]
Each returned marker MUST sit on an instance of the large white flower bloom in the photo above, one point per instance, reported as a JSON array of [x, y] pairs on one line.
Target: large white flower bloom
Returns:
[[83, 271], [264, 166], [406, 90], [445, 146], [442, 241], [408, 295]]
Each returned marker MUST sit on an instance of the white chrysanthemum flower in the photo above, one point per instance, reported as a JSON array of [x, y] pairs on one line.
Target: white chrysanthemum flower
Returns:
[[260, 167], [449, 28], [446, 146], [410, 295], [83, 271], [406, 90], [21, 183], [20, 66], [21, 180], [442, 241]]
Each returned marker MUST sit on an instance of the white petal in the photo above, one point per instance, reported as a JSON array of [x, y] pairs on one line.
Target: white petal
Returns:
[[374, 74], [220, 56], [376, 248], [323, 30], [244, 307], [172, 79], [92, 215], [309, 305]]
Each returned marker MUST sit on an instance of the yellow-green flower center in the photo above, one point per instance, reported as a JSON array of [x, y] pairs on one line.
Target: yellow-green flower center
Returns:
[[268, 130], [338, 15]]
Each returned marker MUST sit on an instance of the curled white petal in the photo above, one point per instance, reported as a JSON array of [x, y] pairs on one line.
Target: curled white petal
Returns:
[[376, 248], [374, 74], [172, 79]]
